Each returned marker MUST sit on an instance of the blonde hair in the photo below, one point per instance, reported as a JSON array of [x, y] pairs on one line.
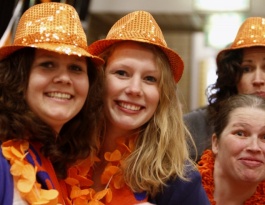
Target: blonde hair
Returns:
[[161, 151]]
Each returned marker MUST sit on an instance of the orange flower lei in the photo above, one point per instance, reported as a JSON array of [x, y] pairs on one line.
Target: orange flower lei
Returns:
[[206, 167], [24, 175], [79, 176]]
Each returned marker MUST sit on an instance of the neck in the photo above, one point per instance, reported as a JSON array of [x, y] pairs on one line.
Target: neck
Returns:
[[111, 135], [228, 191]]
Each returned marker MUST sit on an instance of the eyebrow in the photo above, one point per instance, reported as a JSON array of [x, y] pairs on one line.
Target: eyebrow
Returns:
[[243, 124], [240, 124], [247, 61]]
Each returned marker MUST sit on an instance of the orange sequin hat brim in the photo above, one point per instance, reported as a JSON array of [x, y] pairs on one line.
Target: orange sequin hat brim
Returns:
[[139, 26], [51, 26], [251, 33]]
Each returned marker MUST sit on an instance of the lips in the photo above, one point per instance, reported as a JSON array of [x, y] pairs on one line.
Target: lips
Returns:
[[261, 94], [251, 162]]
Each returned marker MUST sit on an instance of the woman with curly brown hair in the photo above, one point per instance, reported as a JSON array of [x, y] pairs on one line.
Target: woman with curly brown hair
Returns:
[[240, 70], [48, 104]]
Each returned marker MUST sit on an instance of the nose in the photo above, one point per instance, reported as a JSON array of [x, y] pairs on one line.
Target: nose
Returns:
[[62, 76], [134, 87], [259, 77], [253, 144]]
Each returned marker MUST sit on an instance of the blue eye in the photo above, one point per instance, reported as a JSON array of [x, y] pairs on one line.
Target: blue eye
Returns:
[[151, 79]]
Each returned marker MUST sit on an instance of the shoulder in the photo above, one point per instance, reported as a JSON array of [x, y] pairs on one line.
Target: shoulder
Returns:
[[197, 120], [200, 129], [183, 192], [6, 185], [195, 114]]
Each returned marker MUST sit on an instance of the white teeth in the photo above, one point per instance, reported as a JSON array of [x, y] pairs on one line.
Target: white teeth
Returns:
[[59, 95], [130, 107]]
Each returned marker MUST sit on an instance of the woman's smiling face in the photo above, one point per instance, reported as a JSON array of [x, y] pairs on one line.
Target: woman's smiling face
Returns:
[[58, 87], [132, 92]]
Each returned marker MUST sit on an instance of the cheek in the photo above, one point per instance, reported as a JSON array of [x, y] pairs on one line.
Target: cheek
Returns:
[[263, 148], [154, 97], [34, 85], [82, 86], [34, 91], [112, 87], [233, 147], [244, 85]]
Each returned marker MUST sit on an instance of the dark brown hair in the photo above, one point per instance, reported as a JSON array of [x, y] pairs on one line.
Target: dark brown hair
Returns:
[[229, 73], [17, 121]]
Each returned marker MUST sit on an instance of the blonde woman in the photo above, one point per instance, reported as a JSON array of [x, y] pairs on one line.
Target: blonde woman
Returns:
[[142, 154]]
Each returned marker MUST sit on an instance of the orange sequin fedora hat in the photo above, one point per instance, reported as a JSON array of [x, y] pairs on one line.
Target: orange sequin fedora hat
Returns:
[[251, 33], [51, 26], [139, 26]]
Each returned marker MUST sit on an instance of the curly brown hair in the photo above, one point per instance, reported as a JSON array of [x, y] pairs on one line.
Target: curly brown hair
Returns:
[[17, 121], [229, 73]]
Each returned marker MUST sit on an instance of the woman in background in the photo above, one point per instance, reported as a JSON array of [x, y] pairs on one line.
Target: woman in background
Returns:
[[232, 171], [240, 70]]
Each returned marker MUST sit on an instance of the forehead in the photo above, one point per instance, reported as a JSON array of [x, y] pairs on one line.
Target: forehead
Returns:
[[248, 115], [52, 54], [253, 51], [125, 45], [131, 50]]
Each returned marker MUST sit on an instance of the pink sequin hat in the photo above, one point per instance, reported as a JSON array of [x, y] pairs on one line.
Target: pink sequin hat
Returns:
[[51, 26], [139, 26], [251, 33]]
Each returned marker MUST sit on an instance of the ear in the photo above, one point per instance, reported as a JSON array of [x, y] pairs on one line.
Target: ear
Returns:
[[214, 144]]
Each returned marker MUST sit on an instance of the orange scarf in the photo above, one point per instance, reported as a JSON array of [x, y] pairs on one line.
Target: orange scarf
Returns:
[[206, 167], [28, 165], [80, 182]]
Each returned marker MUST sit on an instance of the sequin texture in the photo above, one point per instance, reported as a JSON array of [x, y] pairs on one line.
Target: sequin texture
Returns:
[[251, 33], [140, 26], [53, 29], [51, 26]]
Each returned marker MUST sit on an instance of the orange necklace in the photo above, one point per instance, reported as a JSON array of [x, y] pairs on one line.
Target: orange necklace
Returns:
[[80, 175], [24, 174], [206, 167]]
